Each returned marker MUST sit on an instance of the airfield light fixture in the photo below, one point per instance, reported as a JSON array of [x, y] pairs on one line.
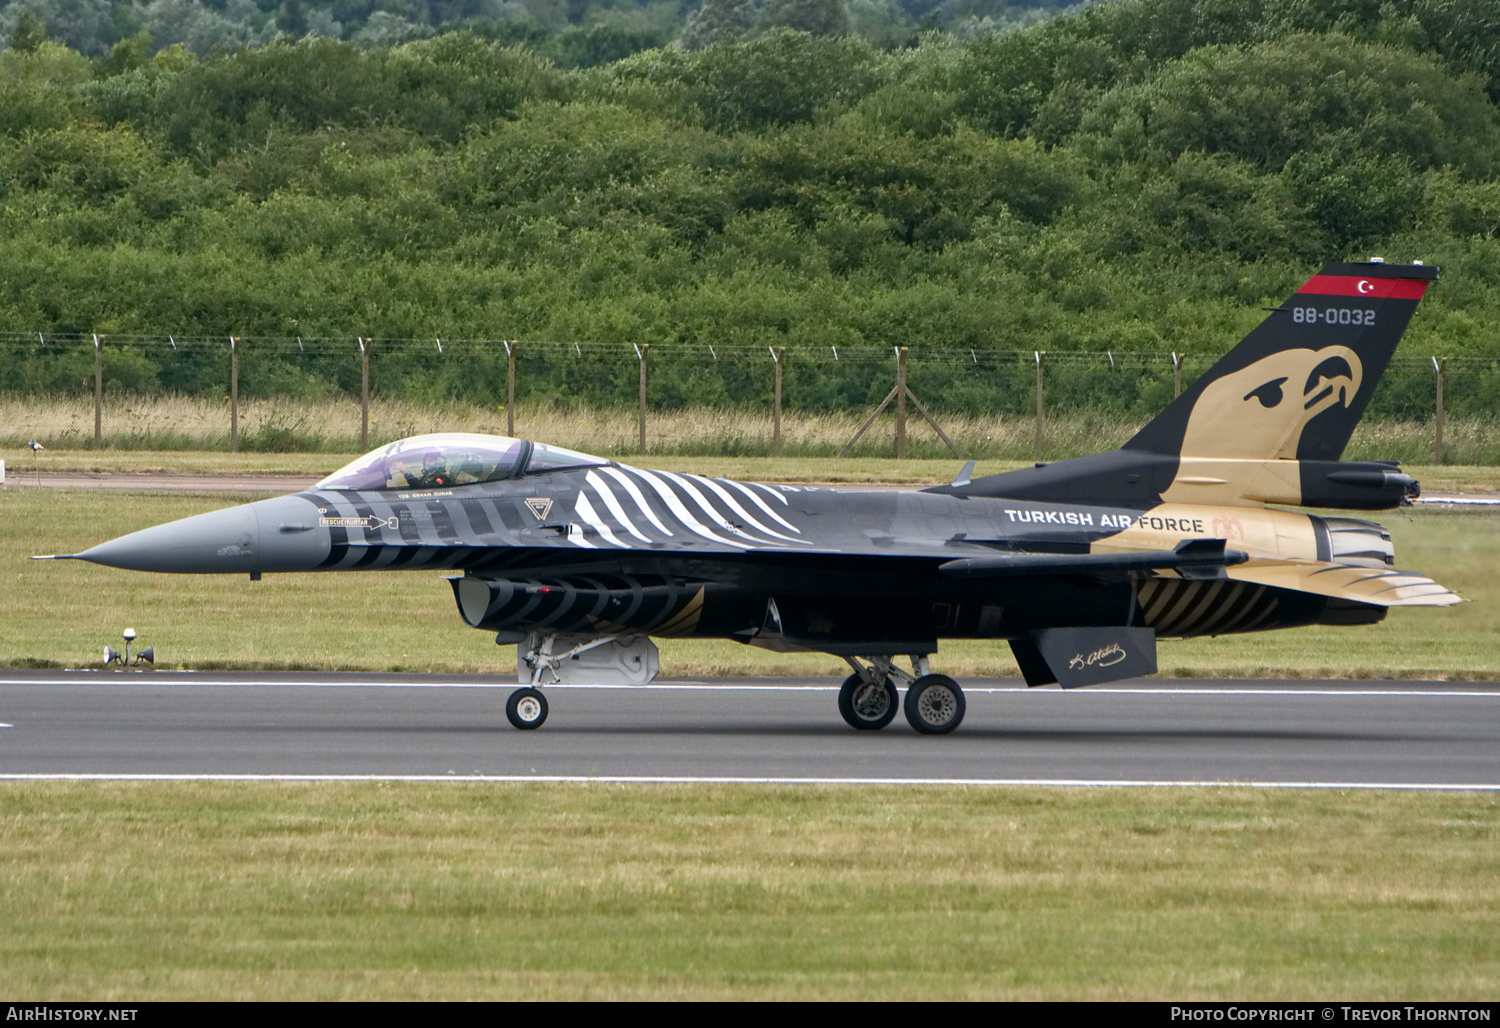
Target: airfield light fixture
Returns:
[[113, 656]]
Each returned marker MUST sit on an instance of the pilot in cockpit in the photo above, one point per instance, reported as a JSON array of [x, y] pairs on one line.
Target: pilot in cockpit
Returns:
[[434, 472]]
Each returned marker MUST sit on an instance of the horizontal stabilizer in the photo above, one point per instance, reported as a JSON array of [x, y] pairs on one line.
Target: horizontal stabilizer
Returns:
[[1193, 558], [1384, 587]]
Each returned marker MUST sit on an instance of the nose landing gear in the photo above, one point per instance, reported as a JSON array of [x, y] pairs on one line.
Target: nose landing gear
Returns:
[[526, 708]]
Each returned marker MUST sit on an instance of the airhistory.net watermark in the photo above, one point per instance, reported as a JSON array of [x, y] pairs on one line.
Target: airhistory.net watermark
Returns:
[[67, 1012]]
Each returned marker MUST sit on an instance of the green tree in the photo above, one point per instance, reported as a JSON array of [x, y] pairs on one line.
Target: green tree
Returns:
[[818, 17], [1267, 102], [291, 18], [30, 32], [716, 21], [127, 54]]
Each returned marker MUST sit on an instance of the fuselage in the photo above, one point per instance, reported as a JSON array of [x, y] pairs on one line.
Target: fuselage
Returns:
[[611, 548]]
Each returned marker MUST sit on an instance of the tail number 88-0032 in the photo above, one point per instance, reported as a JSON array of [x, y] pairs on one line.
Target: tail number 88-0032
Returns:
[[1333, 316]]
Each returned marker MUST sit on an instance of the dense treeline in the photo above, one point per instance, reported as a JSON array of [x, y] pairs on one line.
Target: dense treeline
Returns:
[[1141, 175], [573, 33]]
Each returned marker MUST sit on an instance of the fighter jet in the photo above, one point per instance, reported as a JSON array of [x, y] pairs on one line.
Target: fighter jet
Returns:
[[1080, 565]]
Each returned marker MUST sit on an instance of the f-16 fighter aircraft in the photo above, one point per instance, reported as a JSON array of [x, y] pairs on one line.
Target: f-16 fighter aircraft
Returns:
[[1080, 565]]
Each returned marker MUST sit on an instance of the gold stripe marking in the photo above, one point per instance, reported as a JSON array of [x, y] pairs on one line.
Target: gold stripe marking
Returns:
[[1168, 590], [1190, 622], [685, 620], [1244, 612], [1173, 617], [1221, 610]]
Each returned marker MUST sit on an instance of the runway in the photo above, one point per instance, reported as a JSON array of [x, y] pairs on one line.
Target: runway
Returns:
[[1150, 732]]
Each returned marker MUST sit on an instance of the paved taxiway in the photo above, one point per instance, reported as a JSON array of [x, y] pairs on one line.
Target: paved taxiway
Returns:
[[1423, 734]]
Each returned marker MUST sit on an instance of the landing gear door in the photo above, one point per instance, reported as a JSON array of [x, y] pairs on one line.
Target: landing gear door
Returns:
[[622, 660]]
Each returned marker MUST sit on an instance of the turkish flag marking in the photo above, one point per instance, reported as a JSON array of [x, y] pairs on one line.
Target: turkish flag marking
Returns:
[[1375, 288]]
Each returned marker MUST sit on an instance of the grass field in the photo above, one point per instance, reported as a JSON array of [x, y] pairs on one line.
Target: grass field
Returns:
[[325, 891], [286, 426], [184, 423], [872, 470], [138, 891], [61, 613], [851, 470]]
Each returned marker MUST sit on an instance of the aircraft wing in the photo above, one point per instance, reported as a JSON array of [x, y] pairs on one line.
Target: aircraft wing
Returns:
[[1385, 587]]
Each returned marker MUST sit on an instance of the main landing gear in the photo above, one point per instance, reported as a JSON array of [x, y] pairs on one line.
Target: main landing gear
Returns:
[[867, 700]]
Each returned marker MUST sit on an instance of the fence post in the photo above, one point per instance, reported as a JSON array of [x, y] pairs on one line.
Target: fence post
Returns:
[[1440, 365], [900, 403], [510, 389], [364, 393], [234, 395], [1176, 375], [98, 390], [777, 356], [1041, 416], [642, 352]]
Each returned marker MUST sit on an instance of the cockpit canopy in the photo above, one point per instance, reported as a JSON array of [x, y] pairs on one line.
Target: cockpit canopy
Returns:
[[452, 459]]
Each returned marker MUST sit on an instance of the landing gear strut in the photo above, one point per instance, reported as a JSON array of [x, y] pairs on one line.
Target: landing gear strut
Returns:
[[527, 707], [867, 700]]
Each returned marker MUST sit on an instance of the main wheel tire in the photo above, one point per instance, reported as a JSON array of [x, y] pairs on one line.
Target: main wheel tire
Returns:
[[935, 705], [866, 707], [526, 708]]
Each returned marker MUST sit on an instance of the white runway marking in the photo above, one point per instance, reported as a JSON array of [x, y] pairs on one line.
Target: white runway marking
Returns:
[[1069, 783]]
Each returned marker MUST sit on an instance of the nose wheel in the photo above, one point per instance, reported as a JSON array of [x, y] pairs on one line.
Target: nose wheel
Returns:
[[526, 708]]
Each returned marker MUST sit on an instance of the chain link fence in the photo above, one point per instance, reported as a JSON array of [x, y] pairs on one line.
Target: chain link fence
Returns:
[[350, 394]]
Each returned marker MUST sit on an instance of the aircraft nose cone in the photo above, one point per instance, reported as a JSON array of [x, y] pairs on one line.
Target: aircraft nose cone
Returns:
[[220, 541], [283, 534]]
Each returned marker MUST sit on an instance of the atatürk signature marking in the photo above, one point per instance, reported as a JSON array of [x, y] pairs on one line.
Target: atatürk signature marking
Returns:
[[1105, 656]]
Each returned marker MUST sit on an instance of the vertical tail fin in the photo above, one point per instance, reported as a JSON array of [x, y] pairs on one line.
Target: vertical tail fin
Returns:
[[1269, 421], [1296, 386]]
